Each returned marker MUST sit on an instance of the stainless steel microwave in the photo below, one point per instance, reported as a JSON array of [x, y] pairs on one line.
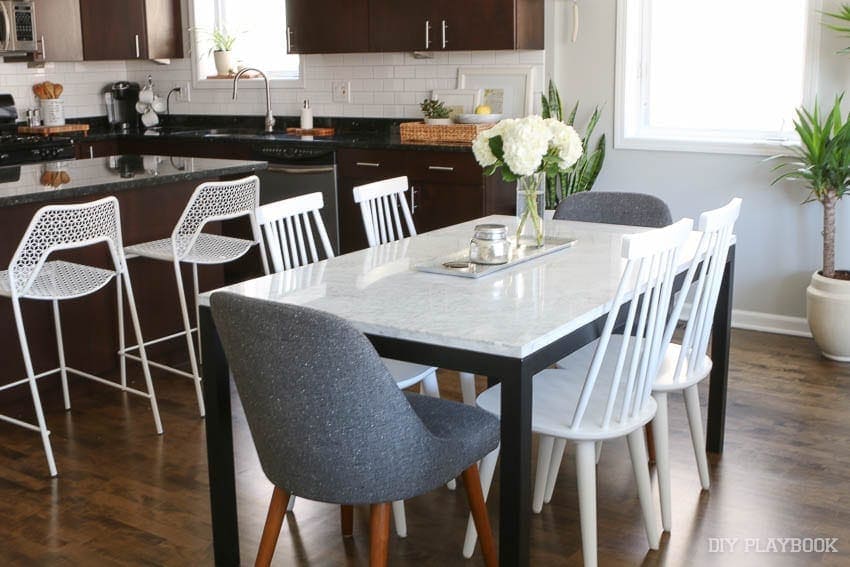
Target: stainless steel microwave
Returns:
[[17, 27]]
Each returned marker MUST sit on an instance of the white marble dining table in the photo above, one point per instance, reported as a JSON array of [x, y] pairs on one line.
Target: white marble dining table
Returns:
[[507, 326]]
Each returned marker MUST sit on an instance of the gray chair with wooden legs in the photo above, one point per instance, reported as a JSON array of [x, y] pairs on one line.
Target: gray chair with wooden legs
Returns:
[[297, 371], [610, 207]]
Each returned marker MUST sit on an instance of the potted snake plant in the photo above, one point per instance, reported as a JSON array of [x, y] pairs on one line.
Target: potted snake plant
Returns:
[[821, 163]]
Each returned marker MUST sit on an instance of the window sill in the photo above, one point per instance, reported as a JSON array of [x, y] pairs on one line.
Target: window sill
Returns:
[[226, 83], [720, 146]]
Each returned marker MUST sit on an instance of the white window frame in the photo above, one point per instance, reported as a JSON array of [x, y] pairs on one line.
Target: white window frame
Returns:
[[221, 84], [625, 119]]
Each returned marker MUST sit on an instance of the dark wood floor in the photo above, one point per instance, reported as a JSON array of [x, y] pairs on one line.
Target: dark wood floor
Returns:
[[126, 496]]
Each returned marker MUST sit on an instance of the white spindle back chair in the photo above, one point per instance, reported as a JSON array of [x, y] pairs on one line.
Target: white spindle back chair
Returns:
[[613, 399], [210, 202], [686, 365], [32, 275], [379, 204], [290, 226]]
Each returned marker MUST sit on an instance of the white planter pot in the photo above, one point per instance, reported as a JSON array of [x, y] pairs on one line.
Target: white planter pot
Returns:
[[828, 309], [223, 62], [439, 121]]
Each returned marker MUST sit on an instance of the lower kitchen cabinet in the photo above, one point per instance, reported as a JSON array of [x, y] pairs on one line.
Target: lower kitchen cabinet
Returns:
[[446, 188], [98, 148]]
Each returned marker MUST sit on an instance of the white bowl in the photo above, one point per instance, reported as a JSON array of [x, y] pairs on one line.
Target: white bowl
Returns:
[[478, 118]]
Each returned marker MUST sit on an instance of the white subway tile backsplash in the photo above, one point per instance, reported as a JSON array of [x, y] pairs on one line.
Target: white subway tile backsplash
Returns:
[[382, 84]]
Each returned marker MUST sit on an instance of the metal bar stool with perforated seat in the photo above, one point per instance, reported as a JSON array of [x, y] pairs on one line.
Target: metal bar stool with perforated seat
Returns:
[[295, 236], [31, 275], [188, 244]]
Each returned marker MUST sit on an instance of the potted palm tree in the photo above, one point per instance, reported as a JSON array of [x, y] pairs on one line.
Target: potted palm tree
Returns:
[[822, 163]]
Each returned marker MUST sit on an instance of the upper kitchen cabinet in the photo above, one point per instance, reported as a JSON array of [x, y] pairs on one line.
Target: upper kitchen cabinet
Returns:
[[131, 29], [446, 25], [327, 26], [59, 30]]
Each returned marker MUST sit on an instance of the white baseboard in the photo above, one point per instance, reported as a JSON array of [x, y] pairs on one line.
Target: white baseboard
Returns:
[[769, 323], [764, 322]]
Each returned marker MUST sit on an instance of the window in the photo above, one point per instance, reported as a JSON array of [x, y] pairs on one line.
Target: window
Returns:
[[260, 30], [718, 76]]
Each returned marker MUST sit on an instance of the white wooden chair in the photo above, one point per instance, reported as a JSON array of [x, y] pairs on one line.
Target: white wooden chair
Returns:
[[31, 275], [604, 391], [188, 244], [291, 228], [686, 365], [683, 367], [383, 206]]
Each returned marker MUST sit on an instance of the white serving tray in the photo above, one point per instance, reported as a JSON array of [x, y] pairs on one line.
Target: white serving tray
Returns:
[[518, 255]]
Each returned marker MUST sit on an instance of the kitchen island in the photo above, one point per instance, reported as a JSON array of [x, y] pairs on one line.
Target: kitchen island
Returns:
[[152, 192]]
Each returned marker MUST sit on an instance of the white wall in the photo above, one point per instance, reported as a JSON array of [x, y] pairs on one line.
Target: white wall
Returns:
[[389, 85], [83, 84], [779, 241]]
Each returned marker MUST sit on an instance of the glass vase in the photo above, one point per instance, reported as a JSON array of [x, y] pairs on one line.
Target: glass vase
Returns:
[[530, 204]]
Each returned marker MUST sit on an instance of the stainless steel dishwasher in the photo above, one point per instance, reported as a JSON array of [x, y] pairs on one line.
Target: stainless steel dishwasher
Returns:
[[296, 170]]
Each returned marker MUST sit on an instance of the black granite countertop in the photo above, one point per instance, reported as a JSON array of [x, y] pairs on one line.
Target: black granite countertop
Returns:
[[351, 133], [43, 182]]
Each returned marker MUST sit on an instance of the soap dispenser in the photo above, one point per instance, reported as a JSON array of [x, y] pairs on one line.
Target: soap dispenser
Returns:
[[306, 116]]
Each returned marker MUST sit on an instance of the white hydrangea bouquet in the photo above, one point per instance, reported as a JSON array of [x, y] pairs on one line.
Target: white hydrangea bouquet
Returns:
[[525, 150]]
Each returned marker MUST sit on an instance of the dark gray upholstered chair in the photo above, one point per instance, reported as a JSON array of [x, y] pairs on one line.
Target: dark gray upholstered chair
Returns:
[[610, 207], [330, 424]]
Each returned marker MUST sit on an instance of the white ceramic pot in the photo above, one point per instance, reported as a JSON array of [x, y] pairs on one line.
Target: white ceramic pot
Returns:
[[828, 309], [223, 62], [439, 121]]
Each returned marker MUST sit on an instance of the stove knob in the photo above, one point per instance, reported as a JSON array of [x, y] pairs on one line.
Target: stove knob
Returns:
[[4, 157]]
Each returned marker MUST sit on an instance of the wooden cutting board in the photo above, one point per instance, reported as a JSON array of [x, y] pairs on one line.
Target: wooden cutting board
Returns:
[[53, 130], [311, 132]]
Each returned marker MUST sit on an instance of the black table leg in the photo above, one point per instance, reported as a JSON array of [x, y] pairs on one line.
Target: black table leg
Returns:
[[216, 383], [515, 470], [721, 336]]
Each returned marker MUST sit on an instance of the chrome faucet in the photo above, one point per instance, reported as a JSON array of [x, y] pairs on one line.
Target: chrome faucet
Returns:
[[269, 116]]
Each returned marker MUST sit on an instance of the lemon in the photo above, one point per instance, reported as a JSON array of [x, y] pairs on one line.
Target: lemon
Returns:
[[483, 109]]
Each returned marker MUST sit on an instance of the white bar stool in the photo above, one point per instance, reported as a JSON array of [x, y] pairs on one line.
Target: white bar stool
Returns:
[[211, 202], [32, 276]]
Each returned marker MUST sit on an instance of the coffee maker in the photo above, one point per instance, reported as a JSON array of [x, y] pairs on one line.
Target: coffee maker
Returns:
[[121, 99]]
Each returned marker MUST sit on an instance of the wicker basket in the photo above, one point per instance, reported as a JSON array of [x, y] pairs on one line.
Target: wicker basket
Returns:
[[439, 133]]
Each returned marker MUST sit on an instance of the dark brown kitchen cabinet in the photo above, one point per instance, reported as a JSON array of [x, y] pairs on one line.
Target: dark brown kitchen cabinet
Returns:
[[327, 26], [445, 188], [131, 29], [448, 25], [98, 148]]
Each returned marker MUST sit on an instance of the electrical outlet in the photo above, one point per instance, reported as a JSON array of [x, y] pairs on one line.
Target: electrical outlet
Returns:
[[183, 92], [341, 91]]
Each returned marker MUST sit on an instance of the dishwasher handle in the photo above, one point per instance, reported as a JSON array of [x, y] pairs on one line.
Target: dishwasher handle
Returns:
[[300, 170]]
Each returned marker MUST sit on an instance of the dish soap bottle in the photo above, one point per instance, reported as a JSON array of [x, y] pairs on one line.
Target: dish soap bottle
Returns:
[[306, 116]]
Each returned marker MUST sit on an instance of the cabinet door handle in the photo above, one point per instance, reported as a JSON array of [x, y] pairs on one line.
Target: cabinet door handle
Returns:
[[445, 27], [427, 34], [288, 39], [440, 168], [43, 49], [91, 152], [412, 199], [138, 48], [367, 164]]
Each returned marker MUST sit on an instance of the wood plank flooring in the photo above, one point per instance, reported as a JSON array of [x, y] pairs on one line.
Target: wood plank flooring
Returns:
[[127, 497]]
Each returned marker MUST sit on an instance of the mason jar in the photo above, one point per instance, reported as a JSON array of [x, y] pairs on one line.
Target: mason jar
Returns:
[[489, 245]]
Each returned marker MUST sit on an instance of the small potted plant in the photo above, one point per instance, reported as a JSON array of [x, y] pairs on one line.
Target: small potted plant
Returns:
[[435, 112], [222, 48], [822, 163]]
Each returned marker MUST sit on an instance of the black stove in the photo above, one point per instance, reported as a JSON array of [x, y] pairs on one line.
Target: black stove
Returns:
[[18, 149]]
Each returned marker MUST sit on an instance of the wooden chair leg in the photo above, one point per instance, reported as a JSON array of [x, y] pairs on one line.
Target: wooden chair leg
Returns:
[[472, 483], [379, 534], [650, 442], [271, 531], [346, 517]]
